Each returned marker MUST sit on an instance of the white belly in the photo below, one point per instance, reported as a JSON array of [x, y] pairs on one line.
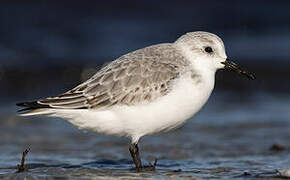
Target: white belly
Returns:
[[166, 113]]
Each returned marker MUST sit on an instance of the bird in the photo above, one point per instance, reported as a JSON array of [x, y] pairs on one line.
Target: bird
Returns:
[[151, 90]]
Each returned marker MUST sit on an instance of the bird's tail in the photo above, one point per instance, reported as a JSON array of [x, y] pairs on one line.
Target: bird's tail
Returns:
[[34, 108]]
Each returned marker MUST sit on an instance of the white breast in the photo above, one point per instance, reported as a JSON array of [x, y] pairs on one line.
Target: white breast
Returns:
[[166, 113]]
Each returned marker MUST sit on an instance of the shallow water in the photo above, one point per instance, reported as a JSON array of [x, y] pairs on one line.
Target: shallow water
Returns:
[[227, 139]]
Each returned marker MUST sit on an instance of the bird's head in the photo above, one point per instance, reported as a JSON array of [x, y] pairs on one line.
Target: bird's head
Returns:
[[207, 50]]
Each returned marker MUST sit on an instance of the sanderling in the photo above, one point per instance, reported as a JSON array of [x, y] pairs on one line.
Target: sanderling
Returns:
[[147, 91]]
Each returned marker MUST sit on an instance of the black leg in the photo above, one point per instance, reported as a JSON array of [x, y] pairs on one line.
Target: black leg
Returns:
[[134, 151]]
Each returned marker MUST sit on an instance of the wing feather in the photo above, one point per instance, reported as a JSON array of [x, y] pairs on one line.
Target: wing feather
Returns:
[[140, 76]]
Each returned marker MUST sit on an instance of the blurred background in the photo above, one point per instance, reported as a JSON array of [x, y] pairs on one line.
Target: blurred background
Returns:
[[48, 47]]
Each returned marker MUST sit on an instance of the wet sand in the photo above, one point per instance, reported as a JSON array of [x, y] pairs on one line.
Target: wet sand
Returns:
[[225, 140]]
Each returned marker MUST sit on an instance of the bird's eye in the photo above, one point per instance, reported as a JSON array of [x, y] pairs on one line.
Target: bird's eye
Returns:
[[208, 49]]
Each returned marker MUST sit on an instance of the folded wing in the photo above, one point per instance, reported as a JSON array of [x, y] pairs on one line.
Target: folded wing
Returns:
[[138, 77]]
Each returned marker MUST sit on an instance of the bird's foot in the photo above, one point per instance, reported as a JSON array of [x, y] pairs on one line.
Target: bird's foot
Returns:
[[150, 167]]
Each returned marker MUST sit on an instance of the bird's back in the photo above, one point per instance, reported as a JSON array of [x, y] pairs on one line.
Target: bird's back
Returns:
[[137, 77]]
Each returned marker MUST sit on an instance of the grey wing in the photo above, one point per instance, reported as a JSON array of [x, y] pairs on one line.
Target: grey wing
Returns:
[[140, 76]]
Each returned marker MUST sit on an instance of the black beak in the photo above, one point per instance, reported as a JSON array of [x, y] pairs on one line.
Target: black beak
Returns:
[[230, 65]]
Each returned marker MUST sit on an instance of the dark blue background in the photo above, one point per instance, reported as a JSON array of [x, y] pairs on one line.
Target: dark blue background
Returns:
[[47, 44]]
